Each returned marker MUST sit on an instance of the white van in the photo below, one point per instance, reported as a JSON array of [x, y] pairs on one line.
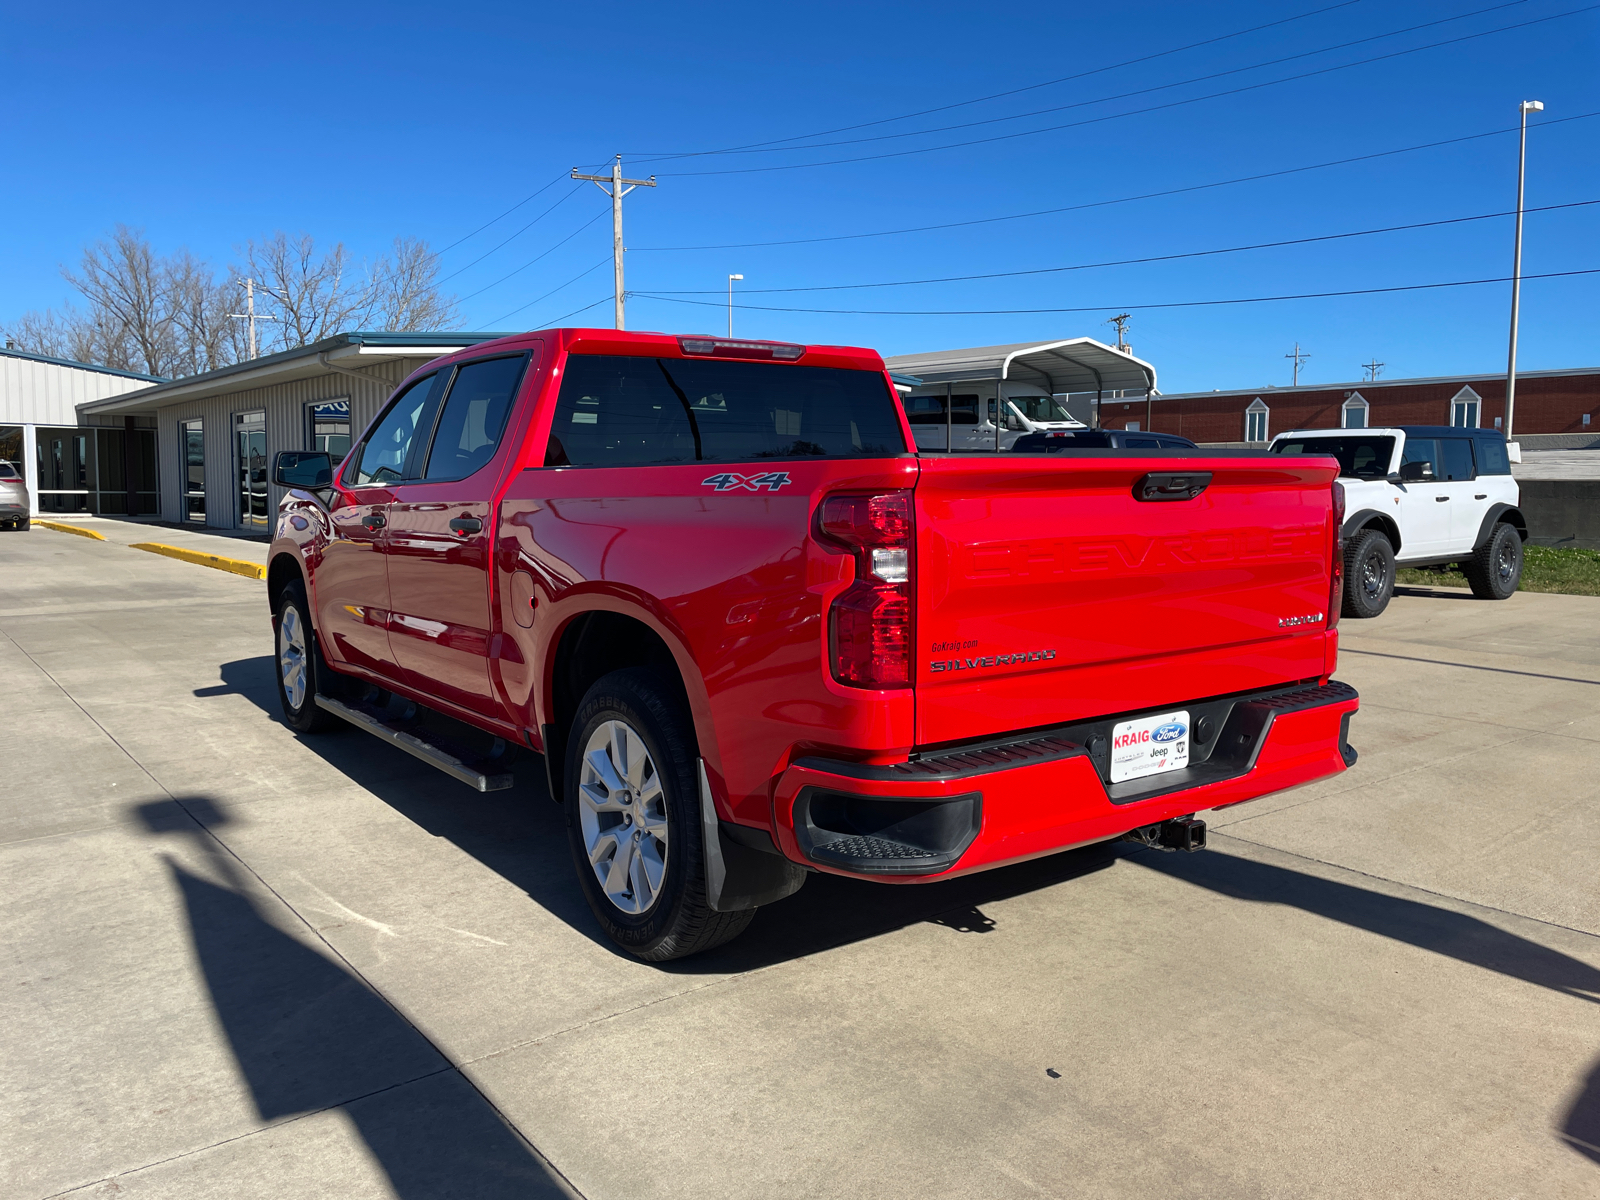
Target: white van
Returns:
[[969, 424]]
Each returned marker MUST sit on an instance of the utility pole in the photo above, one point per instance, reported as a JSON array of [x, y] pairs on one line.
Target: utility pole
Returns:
[[249, 315], [1121, 322], [1372, 368], [617, 191], [731, 278], [1299, 361], [1526, 107]]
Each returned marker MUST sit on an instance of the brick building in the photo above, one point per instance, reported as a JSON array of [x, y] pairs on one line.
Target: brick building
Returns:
[[1548, 402]]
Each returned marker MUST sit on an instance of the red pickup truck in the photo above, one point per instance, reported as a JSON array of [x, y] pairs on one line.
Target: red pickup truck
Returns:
[[755, 633]]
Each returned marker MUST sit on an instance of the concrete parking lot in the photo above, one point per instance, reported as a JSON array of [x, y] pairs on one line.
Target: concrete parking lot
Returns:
[[244, 964]]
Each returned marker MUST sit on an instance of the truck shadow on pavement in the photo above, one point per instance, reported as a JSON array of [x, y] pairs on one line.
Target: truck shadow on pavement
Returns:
[[310, 1036], [519, 834], [1425, 926]]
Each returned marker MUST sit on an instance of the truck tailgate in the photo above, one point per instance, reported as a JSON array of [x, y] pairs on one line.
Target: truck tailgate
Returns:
[[1047, 593]]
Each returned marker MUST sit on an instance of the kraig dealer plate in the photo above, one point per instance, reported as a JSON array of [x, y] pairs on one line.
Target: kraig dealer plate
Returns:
[[1149, 746]]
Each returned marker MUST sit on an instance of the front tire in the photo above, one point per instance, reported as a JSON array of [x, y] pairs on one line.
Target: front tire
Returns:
[[298, 664], [1495, 568], [633, 820], [1368, 574]]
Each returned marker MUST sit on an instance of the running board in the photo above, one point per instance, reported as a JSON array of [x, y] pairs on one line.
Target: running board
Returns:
[[374, 723]]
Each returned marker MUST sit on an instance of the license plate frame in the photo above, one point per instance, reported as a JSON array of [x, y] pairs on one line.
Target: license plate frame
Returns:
[[1152, 745]]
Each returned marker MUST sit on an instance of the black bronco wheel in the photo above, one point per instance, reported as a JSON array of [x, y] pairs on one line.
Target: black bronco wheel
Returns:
[[633, 819], [1368, 574], [298, 664], [1495, 568]]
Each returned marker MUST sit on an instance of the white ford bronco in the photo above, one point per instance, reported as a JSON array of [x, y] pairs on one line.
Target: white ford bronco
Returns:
[[1421, 496]]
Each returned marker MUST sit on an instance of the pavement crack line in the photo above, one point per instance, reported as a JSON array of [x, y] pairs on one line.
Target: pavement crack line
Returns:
[[239, 1137], [1435, 662], [1505, 912], [450, 1065]]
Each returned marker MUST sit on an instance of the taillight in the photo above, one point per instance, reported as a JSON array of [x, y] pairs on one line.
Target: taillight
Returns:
[[869, 625], [1336, 582]]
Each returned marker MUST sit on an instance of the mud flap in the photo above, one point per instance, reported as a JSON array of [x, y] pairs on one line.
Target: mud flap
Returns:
[[738, 877]]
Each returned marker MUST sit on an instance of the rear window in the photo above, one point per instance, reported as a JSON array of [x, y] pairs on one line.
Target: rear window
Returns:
[[1457, 454], [1492, 458], [1359, 457], [7, 471], [622, 411]]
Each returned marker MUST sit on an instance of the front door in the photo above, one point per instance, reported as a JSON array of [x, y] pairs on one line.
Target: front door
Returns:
[[250, 465], [352, 578], [440, 536], [1424, 504]]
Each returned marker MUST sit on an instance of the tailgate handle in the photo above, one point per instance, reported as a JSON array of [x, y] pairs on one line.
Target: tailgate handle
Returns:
[[1171, 485]]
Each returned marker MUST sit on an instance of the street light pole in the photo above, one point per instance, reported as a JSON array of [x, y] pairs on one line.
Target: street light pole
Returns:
[[1526, 107], [731, 278]]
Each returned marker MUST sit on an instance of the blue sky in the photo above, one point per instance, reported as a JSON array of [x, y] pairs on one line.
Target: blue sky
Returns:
[[206, 125]]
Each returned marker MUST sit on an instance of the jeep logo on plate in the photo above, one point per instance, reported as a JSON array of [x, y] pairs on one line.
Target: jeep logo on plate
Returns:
[[1170, 732]]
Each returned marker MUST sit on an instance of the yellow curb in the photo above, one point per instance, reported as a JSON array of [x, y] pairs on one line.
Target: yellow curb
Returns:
[[237, 566], [60, 528]]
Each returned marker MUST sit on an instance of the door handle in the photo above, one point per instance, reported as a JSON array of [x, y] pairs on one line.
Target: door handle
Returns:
[[1441, 499], [1481, 496], [375, 521], [465, 525]]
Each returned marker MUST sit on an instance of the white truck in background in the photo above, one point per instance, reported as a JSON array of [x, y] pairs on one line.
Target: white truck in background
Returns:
[[1421, 496]]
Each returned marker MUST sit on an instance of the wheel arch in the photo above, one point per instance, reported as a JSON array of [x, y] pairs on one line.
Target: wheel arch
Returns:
[[1510, 514], [1372, 518], [593, 642], [281, 571]]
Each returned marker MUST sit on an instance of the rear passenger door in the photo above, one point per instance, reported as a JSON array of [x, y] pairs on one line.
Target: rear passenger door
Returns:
[[1468, 502], [440, 535]]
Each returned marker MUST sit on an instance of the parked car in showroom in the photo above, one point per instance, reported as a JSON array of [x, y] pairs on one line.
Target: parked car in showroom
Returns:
[[14, 501], [756, 634], [1421, 496]]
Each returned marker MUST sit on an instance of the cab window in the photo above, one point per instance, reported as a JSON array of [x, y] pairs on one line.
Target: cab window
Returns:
[[383, 456], [474, 417], [1492, 458]]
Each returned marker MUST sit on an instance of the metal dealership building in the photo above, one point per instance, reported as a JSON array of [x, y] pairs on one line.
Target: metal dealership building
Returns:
[[215, 434]]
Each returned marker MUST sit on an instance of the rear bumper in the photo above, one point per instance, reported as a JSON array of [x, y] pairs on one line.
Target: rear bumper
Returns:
[[972, 809]]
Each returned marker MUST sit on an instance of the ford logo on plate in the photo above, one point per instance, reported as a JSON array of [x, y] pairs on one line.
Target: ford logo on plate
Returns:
[[1170, 732]]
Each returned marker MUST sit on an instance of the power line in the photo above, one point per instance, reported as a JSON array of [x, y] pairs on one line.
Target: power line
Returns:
[[1130, 262], [1048, 212], [553, 291], [596, 304], [1250, 87], [537, 257], [1272, 62], [514, 236], [1012, 92], [1010, 312], [502, 216], [616, 192]]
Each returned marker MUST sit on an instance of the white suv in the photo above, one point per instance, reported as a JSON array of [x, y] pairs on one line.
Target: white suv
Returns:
[[1421, 496]]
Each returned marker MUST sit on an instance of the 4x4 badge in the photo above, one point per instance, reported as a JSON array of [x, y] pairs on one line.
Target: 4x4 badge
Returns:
[[728, 481]]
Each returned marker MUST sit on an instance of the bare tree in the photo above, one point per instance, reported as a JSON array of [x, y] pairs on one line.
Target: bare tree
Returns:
[[407, 291], [319, 295], [170, 316]]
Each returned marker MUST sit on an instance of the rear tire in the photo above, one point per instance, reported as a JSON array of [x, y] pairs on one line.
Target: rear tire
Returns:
[[1495, 568], [1368, 574], [633, 819], [298, 665]]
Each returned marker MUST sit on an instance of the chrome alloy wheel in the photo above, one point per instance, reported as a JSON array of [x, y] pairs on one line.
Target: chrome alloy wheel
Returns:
[[292, 655], [622, 812]]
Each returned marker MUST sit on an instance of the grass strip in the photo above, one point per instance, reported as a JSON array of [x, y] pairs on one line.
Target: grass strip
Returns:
[[1568, 571], [235, 566]]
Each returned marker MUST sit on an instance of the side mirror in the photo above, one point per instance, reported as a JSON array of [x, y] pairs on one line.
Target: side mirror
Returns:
[[1416, 472], [303, 469]]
